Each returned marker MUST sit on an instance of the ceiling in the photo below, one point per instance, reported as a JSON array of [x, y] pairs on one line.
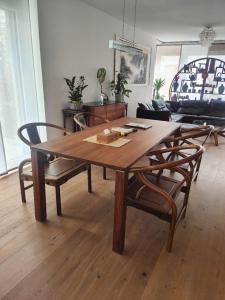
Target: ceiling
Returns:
[[169, 20]]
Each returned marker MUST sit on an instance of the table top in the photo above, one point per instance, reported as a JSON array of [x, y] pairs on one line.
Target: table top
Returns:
[[73, 146]]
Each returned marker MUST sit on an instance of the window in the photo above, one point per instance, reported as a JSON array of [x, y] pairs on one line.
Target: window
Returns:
[[166, 66]]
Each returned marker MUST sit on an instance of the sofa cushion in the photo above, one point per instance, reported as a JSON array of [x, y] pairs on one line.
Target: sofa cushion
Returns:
[[159, 105], [146, 105], [217, 108], [193, 107]]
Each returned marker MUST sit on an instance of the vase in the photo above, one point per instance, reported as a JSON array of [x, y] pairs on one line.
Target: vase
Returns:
[[221, 89], [185, 87], [119, 98], [175, 86]]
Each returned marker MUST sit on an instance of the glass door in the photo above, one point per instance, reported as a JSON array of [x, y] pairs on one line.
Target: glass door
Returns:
[[18, 95]]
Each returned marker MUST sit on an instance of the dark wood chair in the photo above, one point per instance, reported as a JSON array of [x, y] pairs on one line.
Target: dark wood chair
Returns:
[[58, 170], [82, 120], [151, 191], [187, 137]]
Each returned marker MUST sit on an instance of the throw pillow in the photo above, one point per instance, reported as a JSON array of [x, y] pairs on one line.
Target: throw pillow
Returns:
[[159, 105]]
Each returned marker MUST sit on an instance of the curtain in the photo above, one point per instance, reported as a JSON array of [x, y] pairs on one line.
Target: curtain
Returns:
[[18, 94]]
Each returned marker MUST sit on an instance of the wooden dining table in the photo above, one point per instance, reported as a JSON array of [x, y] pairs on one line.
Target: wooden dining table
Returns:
[[119, 159]]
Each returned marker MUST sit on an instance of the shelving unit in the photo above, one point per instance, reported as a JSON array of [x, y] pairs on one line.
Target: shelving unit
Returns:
[[201, 79]]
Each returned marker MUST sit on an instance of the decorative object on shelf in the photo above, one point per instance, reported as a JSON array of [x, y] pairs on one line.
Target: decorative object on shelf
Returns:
[[158, 84], [76, 89], [221, 89], [207, 36], [205, 74], [202, 85], [185, 87], [192, 77], [186, 68], [176, 83], [119, 89], [174, 98], [101, 74]]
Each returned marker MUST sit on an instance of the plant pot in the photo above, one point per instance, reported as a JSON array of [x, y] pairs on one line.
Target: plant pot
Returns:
[[75, 105], [119, 98]]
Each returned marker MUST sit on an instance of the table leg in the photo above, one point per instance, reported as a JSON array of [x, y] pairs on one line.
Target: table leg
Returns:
[[38, 161], [120, 211]]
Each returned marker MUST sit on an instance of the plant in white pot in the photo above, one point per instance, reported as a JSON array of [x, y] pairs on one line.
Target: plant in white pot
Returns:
[[75, 91], [118, 87]]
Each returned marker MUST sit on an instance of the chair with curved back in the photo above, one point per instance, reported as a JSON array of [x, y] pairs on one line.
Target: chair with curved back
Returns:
[[187, 134], [152, 192], [58, 170], [82, 120]]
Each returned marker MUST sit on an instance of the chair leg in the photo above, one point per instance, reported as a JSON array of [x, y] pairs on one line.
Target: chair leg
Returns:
[[58, 200], [89, 179], [22, 189], [215, 135], [171, 235], [104, 173], [197, 169]]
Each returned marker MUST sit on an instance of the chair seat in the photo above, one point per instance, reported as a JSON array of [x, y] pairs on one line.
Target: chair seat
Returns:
[[151, 201], [60, 168]]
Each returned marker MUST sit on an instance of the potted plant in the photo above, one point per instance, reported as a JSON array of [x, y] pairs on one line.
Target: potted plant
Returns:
[[101, 74], [76, 91], [118, 87], [158, 84]]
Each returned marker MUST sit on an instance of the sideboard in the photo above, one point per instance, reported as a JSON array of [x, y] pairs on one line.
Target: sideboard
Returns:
[[109, 111]]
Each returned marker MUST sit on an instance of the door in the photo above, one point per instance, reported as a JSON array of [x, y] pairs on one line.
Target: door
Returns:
[[18, 94]]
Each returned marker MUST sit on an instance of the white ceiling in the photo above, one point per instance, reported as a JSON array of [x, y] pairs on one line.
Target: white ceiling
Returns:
[[169, 20]]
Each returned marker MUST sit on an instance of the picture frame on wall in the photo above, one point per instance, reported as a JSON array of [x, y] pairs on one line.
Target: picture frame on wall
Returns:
[[135, 67]]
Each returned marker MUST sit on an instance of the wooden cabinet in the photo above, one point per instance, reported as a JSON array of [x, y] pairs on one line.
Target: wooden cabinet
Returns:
[[109, 111]]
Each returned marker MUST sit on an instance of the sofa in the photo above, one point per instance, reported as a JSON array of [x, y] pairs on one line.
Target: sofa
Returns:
[[153, 110], [187, 111]]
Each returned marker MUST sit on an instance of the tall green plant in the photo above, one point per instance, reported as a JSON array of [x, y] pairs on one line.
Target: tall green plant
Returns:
[[158, 84]]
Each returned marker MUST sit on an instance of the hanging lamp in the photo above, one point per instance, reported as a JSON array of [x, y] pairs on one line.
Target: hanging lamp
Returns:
[[123, 44]]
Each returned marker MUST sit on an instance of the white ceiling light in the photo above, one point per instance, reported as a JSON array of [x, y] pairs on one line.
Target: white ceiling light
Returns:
[[207, 37], [125, 45]]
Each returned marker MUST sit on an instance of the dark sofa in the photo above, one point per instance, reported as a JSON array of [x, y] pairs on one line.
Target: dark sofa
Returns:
[[187, 111], [156, 110]]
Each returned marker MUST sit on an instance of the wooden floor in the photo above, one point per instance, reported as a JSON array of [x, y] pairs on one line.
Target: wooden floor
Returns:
[[70, 257]]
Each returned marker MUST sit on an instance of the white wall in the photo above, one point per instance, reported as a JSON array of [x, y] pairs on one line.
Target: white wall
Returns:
[[74, 41]]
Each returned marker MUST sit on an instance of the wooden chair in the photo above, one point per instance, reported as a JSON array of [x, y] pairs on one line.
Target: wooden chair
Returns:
[[187, 135], [158, 194], [82, 120], [218, 131], [58, 170]]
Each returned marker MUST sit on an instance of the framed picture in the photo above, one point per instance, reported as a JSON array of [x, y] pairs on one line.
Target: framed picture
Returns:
[[135, 67]]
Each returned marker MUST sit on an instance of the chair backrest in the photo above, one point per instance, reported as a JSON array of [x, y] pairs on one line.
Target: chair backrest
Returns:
[[32, 132], [81, 119], [175, 164], [192, 133]]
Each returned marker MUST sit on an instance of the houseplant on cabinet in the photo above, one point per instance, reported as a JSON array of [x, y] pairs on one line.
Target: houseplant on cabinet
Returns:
[[75, 91], [118, 87]]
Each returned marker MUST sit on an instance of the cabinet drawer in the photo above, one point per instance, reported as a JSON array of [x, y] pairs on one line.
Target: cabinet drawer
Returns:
[[116, 107]]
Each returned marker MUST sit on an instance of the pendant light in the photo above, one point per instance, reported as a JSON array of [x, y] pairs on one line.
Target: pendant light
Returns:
[[123, 44], [207, 37]]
